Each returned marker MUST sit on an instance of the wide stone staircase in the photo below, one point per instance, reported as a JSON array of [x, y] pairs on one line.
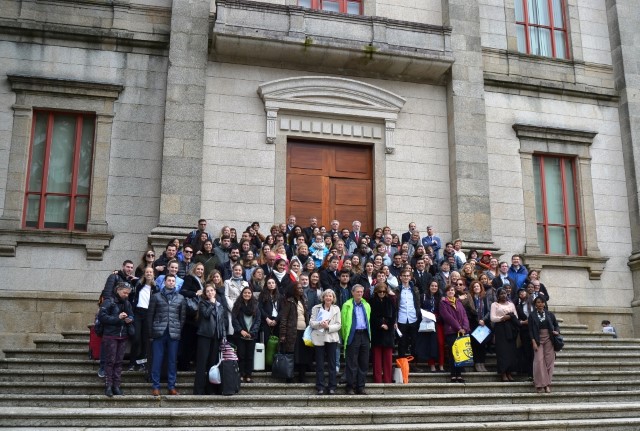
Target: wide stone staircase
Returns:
[[596, 386]]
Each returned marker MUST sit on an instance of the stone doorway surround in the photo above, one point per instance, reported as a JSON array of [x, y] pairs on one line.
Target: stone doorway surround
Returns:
[[326, 108]]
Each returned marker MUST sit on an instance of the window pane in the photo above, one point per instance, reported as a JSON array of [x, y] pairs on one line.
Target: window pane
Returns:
[[538, 12], [56, 212], [541, 239], [573, 240], [353, 7], [304, 3], [522, 40], [540, 41], [519, 10], [569, 187], [538, 190], [561, 51], [330, 5], [557, 242], [553, 187], [86, 156], [37, 153], [33, 210], [61, 155], [558, 16], [82, 214]]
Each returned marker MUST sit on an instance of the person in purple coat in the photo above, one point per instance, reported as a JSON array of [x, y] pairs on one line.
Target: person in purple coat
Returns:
[[455, 323]]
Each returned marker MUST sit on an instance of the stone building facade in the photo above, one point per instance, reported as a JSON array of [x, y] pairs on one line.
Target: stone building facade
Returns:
[[197, 104]]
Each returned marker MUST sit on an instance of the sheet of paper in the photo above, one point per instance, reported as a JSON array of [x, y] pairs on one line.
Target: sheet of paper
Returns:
[[481, 333]]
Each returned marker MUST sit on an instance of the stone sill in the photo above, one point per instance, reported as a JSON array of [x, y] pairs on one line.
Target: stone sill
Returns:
[[94, 243], [56, 295], [595, 265], [365, 45]]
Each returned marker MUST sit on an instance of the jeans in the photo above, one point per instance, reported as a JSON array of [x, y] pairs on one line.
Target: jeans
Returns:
[[113, 348], [161, 346], [327, 351]]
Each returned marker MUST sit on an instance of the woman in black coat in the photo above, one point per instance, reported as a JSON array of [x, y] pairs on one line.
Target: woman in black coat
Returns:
[[212, 328], [543, 326], [383, 320], [270, 302], [245, 317], [192, 289]]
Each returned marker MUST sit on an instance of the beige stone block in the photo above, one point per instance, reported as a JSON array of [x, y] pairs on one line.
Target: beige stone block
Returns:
[[48, 306], [170, 204], [20, 322], [72, 321], [17, 306]]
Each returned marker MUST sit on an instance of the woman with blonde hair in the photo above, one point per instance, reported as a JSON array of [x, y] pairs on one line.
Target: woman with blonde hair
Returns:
[[325, 323]]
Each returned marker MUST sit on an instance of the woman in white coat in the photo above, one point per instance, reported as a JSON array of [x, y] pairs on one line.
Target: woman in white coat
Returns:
[[325, 324]]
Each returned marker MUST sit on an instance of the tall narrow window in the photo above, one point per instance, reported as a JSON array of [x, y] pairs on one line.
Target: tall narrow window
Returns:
[[59, 177], [557, 205], [541, 27], [353, 7]]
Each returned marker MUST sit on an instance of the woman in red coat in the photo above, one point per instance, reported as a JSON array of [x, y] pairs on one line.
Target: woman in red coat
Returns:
[[455, 323]]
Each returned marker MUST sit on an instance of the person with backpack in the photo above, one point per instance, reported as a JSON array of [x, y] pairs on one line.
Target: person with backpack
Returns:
[[116, 317]]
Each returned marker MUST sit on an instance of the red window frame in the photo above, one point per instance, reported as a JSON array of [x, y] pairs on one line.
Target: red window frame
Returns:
[[551, 27], [317, 5], [73, 195], [566, 225]]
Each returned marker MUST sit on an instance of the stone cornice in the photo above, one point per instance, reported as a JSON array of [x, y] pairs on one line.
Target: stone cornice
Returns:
[[529, 131], [95, 243], [39, 84]]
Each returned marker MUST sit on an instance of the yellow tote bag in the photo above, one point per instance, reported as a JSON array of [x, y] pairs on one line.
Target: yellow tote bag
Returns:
[[462, 352]]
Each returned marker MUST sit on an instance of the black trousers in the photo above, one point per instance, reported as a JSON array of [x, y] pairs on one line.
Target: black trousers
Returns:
[[140, 341], [409, 338], [357, 357], [246, 351], [208, 354], [449, 340]]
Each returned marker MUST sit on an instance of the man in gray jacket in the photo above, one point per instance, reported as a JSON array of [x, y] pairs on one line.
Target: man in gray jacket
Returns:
[[165, 318]]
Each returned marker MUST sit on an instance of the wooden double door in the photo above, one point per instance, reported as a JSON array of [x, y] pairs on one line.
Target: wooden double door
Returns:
[[330, 182]]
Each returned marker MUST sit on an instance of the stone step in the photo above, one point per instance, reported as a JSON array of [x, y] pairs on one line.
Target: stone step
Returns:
[[615, 424], [315, 401], [64, 376], [582, 334], [61, 344], [76, 335], [598, 342], [166, 413], [95, 386], [57, 354]]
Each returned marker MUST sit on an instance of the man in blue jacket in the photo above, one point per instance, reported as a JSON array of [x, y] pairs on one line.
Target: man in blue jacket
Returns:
[[165, 319], [517, 272]]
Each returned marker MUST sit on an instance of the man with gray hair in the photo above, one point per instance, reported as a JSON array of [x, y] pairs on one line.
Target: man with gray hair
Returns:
[[356, 335]]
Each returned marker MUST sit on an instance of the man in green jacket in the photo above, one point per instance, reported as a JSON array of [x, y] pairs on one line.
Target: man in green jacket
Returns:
[[356, 334]]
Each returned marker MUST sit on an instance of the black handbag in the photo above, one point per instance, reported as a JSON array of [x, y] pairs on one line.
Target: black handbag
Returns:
[[558, 342], [282, 367]]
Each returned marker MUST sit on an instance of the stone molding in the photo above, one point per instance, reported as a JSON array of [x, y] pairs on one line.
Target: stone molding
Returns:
[[325, 41], [115, 25], [71, 95], [340, 97], [567, 142]]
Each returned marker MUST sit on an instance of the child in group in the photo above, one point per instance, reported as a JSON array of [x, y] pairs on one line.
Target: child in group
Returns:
[[318, 250]]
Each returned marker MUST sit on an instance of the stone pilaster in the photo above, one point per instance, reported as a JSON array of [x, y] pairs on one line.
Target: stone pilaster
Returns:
[[468, 162], [184, 120], [625, 53]]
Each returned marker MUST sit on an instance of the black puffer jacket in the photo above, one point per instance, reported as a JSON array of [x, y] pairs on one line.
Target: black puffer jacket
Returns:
[[213, 320], [109, 317], [166, 310]]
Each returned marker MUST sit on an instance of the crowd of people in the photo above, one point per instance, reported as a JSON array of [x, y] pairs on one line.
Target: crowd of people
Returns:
[[361, 295]]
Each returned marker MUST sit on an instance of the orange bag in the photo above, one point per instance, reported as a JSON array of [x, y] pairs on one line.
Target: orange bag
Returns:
[[403, 364]]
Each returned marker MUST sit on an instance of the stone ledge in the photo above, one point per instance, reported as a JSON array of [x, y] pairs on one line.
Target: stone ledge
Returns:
[[595, 265], [39, 84], [94, 243], [364, 45]]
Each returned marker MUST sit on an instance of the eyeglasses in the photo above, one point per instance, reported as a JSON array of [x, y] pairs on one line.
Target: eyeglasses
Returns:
[[460, 284], [151, 255], [188, 251], [382, 293]]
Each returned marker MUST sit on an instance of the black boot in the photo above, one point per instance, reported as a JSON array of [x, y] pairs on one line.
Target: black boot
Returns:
[[108, 392], [117, 391]]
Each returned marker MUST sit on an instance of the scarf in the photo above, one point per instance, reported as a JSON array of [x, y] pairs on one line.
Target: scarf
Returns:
[[279, 275], [247, 309], [452, 301]]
